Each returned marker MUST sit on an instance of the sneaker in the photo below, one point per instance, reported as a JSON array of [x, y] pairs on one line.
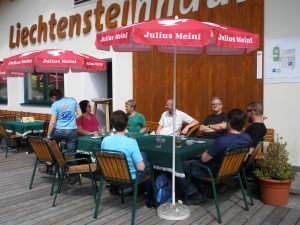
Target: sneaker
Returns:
[[196, 198], [73, 178]]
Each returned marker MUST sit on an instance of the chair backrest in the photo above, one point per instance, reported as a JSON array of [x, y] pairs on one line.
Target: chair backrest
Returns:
[[45, 128], [192, 131], [8, 117], [54, 148], [113, 166], [232, 161], [251, 158], [3, 132], [269, 135], [41, 148], [152, 126]]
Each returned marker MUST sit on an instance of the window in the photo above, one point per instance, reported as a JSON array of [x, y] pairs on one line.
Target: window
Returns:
[[3, 90], [38, 85]]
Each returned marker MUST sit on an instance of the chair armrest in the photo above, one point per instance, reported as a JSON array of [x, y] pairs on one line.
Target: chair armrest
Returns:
[[196, 164]]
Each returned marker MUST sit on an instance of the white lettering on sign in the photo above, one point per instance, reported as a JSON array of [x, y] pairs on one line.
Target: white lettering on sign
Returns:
[[121, 36], [214, 3], [107, 38], [244, 40], [226, 38], [188, 36], [159, 35]]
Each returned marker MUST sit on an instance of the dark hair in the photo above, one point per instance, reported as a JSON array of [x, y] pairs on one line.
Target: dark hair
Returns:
[[83, 105], [237, 119], [119, 120], [57, 93]]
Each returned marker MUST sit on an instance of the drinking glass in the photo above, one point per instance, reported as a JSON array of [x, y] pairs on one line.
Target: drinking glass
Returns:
[[178, 142], [158, 141], [133, 135], [95, 133], [103, 130]]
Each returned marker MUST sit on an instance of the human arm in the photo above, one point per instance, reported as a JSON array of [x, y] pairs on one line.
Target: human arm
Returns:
[[140, 166], [213, 127], [159, 129], [51, 125], [78, 113], [82, 131], [187, 127], [205, 157], [143, 130]]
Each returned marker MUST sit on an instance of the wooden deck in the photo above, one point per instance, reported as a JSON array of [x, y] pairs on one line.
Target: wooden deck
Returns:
[[75, 204]]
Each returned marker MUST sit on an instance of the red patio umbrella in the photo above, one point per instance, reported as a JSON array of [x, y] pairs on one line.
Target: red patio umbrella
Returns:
[[6, 73], [178, 36], [53, 61]]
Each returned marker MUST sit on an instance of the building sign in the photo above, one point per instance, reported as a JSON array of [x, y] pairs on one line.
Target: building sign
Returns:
[[116, 14]]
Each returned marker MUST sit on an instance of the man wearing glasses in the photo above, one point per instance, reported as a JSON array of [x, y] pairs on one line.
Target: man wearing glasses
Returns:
[[257, 129], [214, 125]]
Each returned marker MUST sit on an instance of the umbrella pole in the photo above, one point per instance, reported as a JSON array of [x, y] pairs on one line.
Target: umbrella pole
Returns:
[[173, 211], [56, 81]]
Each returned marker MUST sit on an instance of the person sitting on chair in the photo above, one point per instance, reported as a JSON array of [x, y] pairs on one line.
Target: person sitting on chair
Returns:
[[257, 129], [137, 122], [213, 156], [137, 160], [165, 126], [87, 123], [214, 125]]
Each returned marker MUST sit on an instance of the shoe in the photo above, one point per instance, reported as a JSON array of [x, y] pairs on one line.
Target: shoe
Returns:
[[73, 179], [196, 198], [150, 203]]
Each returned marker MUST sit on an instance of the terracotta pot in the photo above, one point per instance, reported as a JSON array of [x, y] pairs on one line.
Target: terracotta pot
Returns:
[[274, 192]]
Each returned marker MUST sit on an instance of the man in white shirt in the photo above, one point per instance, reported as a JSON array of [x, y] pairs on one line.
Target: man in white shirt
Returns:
[[166, 121]]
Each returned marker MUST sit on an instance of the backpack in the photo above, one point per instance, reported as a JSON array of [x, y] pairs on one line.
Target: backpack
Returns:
[[164, 189]]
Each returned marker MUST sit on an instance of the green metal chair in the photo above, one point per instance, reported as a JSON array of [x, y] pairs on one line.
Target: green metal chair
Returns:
[[70, 167], [229, 169], [250, 164], [115, 170], [41, 148], [8, 136]]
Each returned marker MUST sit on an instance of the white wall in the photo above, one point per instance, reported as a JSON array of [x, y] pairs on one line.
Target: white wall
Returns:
[[78, 85], [281, 101]]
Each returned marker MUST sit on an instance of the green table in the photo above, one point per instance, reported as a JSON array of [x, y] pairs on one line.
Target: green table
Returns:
[[21, 128], [161, 158], [88, 143]]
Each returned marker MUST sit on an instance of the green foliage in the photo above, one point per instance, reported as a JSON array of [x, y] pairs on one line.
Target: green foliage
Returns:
[[276, 164]]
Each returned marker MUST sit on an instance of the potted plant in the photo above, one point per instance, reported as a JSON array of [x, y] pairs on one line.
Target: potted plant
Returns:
[[275, 174]]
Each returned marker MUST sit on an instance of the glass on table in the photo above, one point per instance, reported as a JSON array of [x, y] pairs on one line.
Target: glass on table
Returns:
[[178, 142], [158, 141], [103, 130], [95, 133], [133, 135]]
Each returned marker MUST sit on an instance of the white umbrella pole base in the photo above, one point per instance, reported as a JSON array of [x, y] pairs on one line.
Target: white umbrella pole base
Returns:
[[169, 211]]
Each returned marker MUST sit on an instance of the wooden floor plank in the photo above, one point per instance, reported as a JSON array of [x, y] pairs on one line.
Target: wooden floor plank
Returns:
[[75, 204]]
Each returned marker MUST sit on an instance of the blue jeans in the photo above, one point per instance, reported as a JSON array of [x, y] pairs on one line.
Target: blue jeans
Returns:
[[182, 181], [69, 136]]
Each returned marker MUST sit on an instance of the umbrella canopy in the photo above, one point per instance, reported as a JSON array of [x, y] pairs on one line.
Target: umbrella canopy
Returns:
[[6, 73], [53, 60], [178, 36], [188, 35]]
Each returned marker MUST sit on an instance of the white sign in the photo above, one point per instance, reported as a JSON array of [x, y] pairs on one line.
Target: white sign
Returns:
[[282, 61]]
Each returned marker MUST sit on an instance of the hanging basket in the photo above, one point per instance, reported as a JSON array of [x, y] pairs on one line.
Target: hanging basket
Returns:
[[274, 192]]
